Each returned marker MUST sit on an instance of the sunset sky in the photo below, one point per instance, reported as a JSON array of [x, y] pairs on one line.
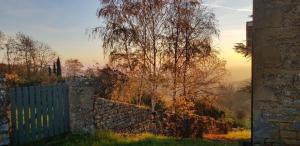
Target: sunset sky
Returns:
[[63, 24]]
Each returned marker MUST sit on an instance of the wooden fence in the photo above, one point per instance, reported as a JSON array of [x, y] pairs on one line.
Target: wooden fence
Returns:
[[38, 112]]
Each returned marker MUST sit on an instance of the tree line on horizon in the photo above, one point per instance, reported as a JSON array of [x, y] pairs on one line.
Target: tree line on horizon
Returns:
[[27, 61]]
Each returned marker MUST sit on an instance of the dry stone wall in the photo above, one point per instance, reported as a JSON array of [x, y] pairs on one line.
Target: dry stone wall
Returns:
[[88, 113], [276, 72], [127, 118], [122, 117]]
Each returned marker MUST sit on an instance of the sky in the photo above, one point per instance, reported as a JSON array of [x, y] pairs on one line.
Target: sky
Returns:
[[63, 24]]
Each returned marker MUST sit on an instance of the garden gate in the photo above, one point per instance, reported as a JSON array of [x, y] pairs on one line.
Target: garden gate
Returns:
[[38, 112]]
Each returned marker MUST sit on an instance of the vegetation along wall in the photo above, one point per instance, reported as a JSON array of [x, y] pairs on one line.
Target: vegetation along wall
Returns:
[[89, 112], [128, 118], [276, 72]]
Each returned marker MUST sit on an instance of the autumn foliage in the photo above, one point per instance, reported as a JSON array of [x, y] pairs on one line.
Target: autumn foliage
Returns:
[[164, 48]]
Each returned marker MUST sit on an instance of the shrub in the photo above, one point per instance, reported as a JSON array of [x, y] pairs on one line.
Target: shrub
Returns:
[[109, 81], [205, 107], [145, 100]]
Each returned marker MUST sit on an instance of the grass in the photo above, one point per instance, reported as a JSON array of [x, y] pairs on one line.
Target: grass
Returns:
[[243, 135], [106, 138], [239, 135]]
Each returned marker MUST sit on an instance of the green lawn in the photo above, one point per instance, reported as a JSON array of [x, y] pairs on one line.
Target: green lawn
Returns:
[[112, 139]]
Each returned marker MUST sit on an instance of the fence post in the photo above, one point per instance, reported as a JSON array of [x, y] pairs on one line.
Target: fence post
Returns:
[[4, 134], [80, 105]]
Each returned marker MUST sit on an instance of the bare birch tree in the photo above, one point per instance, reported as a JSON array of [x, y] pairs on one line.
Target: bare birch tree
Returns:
[[159, 43]]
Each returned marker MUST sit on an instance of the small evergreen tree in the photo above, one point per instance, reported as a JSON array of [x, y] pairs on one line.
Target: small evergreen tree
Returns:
[[58, 65], [54, 68], [49, 71]]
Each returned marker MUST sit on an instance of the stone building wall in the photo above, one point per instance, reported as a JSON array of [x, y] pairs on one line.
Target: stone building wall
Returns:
[[81, 93], [4, 134], [276, 72]]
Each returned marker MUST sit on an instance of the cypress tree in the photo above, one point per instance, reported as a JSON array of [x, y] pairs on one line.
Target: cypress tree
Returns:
[[54, 68], [58, 66], [49, 71]]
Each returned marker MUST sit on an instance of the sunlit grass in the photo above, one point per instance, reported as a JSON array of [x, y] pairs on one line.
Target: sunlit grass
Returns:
[[231, 136], [239, 135], [107, 138]]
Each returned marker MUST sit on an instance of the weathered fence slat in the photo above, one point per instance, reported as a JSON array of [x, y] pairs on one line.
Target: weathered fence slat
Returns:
[[60, 114], [32, 112], [62, 109], [67, 121], [61, 96], [26, 114], [12, 94], [68, 106], [44, 112], [20, 115], [58, 117], [38, 112], [66, 109], [50, 111], [55, 110]]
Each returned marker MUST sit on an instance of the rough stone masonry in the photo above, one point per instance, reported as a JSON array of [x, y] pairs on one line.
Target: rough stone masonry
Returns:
[[128, 118], [88, 113], [276, 72], [4, 135], [81, 93]]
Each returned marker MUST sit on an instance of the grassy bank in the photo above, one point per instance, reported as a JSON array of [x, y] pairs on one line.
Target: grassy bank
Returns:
[[244, 135], [112, 139]]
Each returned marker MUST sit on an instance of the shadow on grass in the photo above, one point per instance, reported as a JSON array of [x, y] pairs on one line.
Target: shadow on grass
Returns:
[[112, 139]]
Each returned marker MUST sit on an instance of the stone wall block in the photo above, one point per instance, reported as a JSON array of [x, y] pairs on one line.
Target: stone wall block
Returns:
[[288, 134], [4, 126], [292, 142], [285, 126], [81, 92], [298, 135]]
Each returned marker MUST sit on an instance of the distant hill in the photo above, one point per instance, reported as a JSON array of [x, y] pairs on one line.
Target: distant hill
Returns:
[[238, 74]]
